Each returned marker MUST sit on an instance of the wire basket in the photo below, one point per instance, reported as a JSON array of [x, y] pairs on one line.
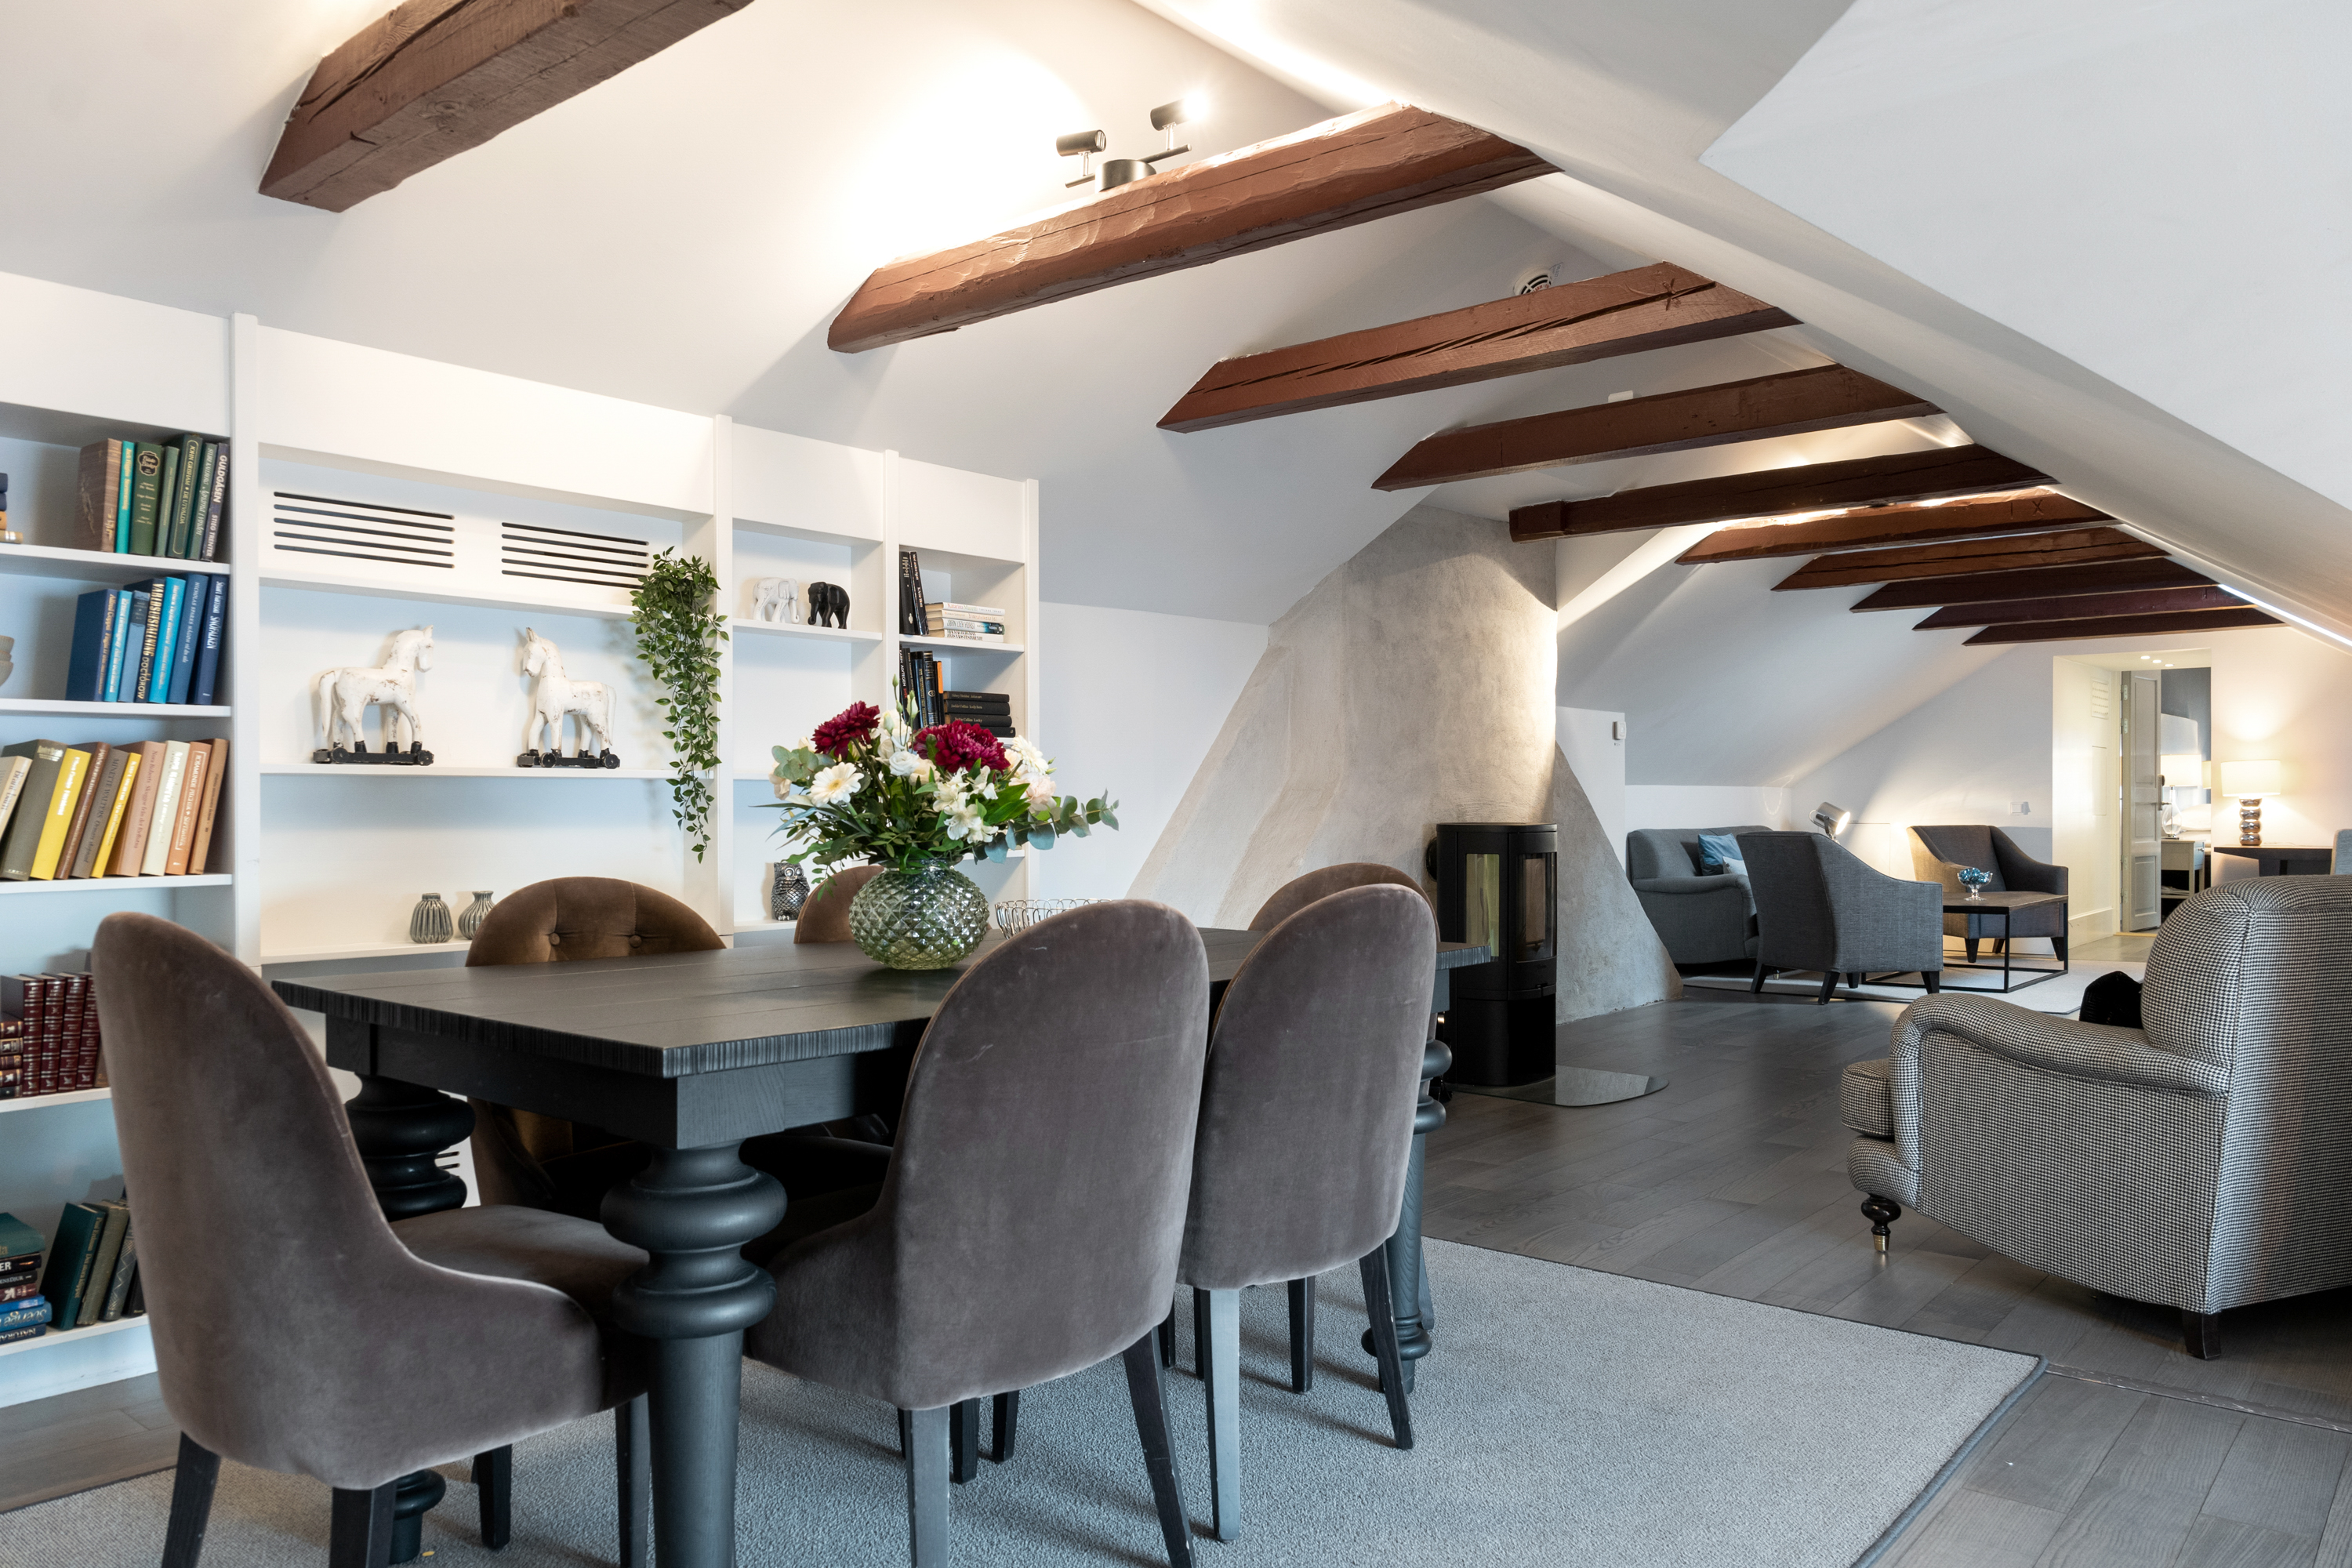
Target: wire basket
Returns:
[[1015, 916]]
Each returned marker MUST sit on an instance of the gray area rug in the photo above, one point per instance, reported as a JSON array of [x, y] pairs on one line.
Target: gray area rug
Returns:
[[1569, 1416], [2060, 995]]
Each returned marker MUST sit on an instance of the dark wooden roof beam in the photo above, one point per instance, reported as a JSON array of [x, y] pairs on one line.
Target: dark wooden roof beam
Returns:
[[2125, 627], [2039, 584], [2081, 607], [1871, 528], [2063, 547]]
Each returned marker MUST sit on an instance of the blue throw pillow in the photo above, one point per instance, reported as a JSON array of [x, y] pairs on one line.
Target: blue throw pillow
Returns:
[[1719, 853]]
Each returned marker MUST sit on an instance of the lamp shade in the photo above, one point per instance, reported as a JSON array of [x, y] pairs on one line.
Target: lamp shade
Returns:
[[2186, 771], [2250, 778]]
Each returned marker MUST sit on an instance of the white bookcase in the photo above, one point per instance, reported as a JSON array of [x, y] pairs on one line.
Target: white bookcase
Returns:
[[373, 491]]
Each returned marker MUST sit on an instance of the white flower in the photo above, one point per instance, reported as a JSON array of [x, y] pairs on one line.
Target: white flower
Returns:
[[907, 763], [968, 823], [1040, 794], [835, 783], [786, 788], [894, 725]]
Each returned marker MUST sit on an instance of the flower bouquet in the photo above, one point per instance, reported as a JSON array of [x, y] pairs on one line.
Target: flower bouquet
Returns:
[[1975, 879], [869, 786]]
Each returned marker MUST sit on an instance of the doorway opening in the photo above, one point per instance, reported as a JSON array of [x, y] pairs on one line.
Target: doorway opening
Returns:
[[2131, 756]]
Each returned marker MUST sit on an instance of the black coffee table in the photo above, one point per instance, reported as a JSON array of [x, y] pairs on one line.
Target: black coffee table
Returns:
[[2009, 904]]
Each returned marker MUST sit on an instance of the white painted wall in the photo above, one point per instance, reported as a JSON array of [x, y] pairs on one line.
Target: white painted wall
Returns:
[[1131, 702], [2085, 734], [2280, 694], [1593, 744], [1709, 806]]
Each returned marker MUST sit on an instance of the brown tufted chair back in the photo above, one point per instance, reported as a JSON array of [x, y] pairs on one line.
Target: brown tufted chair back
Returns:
[[1302, 891], [564, 919], [825, 917]]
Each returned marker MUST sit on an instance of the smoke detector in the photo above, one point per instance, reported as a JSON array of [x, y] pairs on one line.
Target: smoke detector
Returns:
[[1533, 279]]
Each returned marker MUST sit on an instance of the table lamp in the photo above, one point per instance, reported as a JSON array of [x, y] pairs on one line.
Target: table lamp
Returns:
[[2249, 781]]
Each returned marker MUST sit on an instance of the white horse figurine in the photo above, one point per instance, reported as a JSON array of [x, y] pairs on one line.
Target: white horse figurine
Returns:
[[340, 699], [776, 599], [554, 695]]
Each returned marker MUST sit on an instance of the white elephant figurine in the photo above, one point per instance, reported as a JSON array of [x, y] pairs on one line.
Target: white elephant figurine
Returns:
[[776, 600]]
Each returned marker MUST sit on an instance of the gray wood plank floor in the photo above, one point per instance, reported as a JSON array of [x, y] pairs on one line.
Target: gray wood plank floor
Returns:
[[1733, 1180]]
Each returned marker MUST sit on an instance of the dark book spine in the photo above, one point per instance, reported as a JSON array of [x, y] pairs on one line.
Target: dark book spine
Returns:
[[19, 1290], [218, 503], [10, 1336]]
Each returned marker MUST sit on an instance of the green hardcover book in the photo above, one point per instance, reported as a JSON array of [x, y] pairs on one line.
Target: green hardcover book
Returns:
[[101, 1263], [23, 840], [146, 497], [16, 1237], [71, 1252], [125, 1265], [201, 502], [184, 505], [167, 498]]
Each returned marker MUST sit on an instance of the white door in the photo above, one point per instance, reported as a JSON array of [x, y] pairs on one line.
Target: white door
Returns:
[[2143, 834]]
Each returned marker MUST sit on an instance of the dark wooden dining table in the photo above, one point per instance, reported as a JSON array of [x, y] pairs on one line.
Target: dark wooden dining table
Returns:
[[694, 1053]]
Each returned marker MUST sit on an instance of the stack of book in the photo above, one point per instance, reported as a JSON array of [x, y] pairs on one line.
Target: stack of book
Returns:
[[145, 497], [24, 1310], [154, 641], [102, 810], [992, 711], [965, 623], [50, 1034], [93, 1271]]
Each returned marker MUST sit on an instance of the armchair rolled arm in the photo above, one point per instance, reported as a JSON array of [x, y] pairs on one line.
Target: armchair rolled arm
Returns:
[[1688, 884], [2055, 1045]]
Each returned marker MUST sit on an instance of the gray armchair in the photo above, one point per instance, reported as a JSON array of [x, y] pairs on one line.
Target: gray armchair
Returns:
[[1821, 906], [2199, 1162], [1938, 853], [1702, 919]]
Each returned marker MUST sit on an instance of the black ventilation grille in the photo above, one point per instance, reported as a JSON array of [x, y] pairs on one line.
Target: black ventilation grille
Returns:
[[568, 555], [362, 531]]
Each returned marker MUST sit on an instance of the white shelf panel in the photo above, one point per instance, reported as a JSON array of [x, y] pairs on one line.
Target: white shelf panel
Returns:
[[96, 565], [72, 1096], [60, 707], [112, 884], [438, 594], [65, 1336], [957, 645], [376, 950], [447, 771], [834, 633]]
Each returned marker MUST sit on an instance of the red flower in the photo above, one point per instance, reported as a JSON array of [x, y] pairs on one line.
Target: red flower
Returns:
[[853, 725], [956, 745]]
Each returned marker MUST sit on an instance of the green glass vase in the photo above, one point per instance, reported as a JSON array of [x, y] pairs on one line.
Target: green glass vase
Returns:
[[928, 918]]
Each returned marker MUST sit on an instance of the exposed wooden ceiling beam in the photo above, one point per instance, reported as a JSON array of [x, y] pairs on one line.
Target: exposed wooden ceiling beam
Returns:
[[2126, 627], [1393, 158], [2065, 547], [1567, 323], [1997, 517], [2081, 607], [433, 78], [1814, 486], [1826, 397], [2041, 583]]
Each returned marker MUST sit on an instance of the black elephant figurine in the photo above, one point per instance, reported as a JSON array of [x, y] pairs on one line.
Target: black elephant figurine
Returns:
[[828, 606]]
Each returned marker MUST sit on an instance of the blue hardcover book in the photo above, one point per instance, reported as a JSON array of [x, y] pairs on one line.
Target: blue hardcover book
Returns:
[[118, 657], [93, 635], [139, 655], [215, 627], [24, 1314], [183, 645], [167, 632]]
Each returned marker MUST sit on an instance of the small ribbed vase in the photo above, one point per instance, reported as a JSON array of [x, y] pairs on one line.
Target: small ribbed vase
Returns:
[[430, 922], [925, 919], [469, 925]]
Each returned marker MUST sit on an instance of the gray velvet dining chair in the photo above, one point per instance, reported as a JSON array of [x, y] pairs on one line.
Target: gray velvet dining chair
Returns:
[[1305, 1129], [295, 1329], [1321, 883], [826, 916], [1034, 1212]]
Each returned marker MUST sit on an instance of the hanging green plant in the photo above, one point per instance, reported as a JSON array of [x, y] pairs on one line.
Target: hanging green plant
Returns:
[[678, 633]]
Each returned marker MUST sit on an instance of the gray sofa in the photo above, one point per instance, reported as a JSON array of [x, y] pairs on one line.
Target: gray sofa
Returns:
[[1702, 919], [1820, 906], [2199, 1163]]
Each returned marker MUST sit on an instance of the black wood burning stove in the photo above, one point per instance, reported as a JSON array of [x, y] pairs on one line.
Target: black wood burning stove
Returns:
[[1497, 885]]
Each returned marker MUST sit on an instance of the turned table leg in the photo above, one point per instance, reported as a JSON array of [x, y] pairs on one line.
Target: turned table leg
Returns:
[[401, 1130], [693, 1209], [1409, 1292]]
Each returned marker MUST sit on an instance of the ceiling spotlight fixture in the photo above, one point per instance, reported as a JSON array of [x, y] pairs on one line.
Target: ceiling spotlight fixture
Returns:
[[1117, 172], [1832, 819], [1167, 118], [1082, 145]]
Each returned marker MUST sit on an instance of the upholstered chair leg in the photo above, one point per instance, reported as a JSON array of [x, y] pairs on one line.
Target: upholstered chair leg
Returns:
[[926, 1485], [633, 1475], [191, 1503], [1143, 1391], [2202, 1333], [360, 1535], [1200, 1334], [494, 1489], [1881, 1213], [1935, 979], [1763, 973], [1167, 1339], [963, 1440], [2058, 946], [1221, 1369], [1001, 1430], [1829, 986], [1302, 1335], [906, 1434], [1375, 1270], [1969, 942]]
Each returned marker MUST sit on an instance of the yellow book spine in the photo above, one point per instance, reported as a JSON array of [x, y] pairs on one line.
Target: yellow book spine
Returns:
[[114, 818], [70, 774]]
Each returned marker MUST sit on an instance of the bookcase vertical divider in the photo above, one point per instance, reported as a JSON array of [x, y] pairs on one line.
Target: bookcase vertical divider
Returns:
[[246, 512]]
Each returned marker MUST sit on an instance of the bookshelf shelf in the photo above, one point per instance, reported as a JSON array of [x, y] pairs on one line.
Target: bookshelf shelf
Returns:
[[59, 707], [832, 634], [447, 771], [452, 949], [451, 593], [96, 565], [113, 885], [72, 1096], [957, 645], [71, 1336]]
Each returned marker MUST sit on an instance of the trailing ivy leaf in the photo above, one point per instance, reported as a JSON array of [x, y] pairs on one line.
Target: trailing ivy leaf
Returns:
[[678, 634]]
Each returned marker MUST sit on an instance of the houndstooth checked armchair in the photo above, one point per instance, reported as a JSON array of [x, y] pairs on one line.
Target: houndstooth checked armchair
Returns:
[[2202, 1162]]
